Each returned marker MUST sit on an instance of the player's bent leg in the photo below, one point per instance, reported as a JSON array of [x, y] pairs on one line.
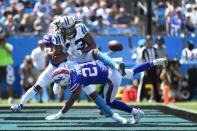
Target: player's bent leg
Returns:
[[160, 62], [91, 91], [110, 92], [28, 96], [43, 80], [145, 66], [102, 105]]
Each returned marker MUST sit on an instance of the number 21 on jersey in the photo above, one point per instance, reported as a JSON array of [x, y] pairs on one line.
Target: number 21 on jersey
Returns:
[[90, 72]]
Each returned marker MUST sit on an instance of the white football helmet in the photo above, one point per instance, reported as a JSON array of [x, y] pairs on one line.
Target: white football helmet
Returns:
[[61, 77], [67, 26]]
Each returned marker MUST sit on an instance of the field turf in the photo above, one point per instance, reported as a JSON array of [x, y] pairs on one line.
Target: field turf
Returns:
[[88, 118]]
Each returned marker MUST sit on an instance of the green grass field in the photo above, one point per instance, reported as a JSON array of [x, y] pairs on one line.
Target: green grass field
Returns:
[[188, 105], [85, 116], [88, 119]]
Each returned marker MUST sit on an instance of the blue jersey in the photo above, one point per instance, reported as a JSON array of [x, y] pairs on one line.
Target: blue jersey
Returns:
[[88, 73]]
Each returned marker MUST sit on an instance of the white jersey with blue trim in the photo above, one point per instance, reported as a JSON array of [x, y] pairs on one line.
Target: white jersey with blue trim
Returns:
[[78, 38]]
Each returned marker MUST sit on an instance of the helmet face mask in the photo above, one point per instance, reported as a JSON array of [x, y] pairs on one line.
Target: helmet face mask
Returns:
[[61, 77], [68, 32], [67, 27]]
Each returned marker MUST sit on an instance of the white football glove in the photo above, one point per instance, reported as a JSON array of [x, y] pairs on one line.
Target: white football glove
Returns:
[[55, 116], [56, 89]]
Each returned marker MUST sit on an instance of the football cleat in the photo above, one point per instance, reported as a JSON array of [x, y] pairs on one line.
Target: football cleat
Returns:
[[137, 116], [161, 62], [116, 117], [16, 108]]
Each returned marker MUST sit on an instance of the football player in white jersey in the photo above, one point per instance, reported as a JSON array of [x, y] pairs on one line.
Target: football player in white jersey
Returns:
[[74, 43]]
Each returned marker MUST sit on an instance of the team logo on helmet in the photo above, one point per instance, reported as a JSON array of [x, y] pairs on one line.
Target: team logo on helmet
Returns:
[[61, 77]]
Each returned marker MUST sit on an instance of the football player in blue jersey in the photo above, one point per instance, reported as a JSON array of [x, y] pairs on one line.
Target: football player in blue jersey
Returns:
[[96, 73]]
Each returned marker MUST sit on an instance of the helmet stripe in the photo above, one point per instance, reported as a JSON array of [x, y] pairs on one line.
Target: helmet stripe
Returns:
[[85, 28], [55, 36], [59, 38], [60, 71], [67, 20], [82, 29]]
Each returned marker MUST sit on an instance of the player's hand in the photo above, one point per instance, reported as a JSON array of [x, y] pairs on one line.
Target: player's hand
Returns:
[[56, 89], [54, 116]]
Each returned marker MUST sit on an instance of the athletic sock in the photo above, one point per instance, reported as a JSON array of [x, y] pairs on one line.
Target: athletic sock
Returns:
[[28, 96], [107, 60], [102, 105], [121, 106], [142, 67]]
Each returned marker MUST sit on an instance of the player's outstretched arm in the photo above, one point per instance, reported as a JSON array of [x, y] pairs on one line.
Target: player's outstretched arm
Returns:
[[71, 100], [90, 42], [66, 107]]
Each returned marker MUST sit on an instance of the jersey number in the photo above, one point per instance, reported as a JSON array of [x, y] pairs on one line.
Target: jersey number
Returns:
[[89, 72], [80, 44]]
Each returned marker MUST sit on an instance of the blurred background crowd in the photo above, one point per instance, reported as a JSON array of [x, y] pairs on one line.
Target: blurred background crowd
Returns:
[[173, 30], [171, 17]]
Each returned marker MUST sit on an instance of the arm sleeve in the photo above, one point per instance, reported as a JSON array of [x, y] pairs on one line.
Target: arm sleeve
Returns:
[[143, 55], [74, 87], [83, 29]]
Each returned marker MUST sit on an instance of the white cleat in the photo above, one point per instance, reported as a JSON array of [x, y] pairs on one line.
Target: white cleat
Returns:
[[137, 116], [116, 117], [161, 62]]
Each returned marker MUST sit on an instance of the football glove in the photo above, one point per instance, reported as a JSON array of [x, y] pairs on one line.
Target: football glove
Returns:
[[56, 89], [54, 116]]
